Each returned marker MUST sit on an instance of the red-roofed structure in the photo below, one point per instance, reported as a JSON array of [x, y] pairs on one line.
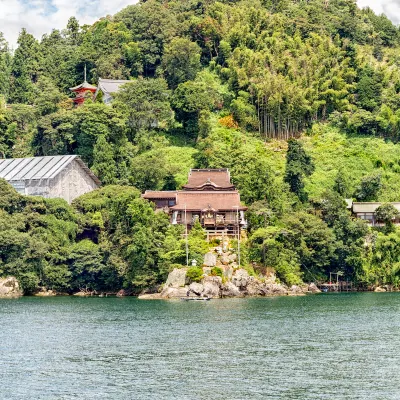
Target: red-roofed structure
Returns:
[[83, 91], [209, 197]]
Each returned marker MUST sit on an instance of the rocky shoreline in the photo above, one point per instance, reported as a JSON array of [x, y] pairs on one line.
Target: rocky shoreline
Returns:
[[239, 284], [10, 288]]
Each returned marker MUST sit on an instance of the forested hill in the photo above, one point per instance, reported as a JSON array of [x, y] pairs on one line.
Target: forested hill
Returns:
[[231, 83]]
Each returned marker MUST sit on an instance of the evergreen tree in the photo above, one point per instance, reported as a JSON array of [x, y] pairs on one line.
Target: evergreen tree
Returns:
[[25, 69], [341, 185], [298, 166], [369, 188], [181, 61], [5, 67], [103, 161]]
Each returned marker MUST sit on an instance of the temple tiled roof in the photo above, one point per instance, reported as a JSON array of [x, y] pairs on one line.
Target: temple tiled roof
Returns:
[[216, 200], [85, 86], [150, 194], [214, 179]]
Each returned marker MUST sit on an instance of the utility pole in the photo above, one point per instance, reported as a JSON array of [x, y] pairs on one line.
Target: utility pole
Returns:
[[186, 240], [238, 232]]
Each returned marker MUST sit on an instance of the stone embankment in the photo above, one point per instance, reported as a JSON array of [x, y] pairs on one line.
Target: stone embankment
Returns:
[[241, 284], [9, 288], [222, 277]]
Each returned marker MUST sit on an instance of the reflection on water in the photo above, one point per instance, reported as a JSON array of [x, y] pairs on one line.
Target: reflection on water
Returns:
[[344, 346]]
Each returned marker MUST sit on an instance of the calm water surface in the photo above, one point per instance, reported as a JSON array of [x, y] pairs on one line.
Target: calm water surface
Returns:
[[318, 347]]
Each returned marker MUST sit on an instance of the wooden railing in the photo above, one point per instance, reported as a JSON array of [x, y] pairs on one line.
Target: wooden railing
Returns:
[[214, 222]]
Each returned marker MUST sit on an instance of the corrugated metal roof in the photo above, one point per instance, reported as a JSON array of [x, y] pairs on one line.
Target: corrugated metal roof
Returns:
[[36, 168], [110, 86]]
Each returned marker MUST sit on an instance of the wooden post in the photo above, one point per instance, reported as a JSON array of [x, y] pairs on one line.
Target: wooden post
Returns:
[[186, 241]]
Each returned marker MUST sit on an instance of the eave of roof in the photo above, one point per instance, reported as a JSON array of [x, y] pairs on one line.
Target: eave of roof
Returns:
[[150, 194], [85, 85], [201, 200]]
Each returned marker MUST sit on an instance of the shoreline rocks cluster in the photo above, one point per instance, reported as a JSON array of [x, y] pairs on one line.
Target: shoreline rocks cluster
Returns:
[[240, 284], [10, 288], [222, 278]]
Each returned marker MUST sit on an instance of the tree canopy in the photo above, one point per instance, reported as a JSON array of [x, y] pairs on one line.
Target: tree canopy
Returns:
[[299, 99]]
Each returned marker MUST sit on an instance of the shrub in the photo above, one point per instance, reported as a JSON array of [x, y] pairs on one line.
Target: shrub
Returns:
[[29, 282], [194, 274], [216, 271], [228, 122]]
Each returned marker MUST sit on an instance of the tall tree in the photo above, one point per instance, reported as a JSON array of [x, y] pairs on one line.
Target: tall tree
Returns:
[[5, 67], [146, 103], [298, 166], [25, 69], [181, 61]]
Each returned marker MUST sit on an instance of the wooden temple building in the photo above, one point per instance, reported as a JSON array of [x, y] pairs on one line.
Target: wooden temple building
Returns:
[[209, 197]]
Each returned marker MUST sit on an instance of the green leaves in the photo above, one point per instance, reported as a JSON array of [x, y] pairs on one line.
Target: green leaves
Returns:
[[181, 61], [298, 166]]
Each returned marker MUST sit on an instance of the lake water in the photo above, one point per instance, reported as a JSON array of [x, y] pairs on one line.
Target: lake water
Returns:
[[331, 346]]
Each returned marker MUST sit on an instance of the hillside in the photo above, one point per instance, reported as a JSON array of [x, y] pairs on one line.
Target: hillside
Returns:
[[299, 99]]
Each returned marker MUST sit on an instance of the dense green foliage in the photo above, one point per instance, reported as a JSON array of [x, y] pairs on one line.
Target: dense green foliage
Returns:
[[214, 84]]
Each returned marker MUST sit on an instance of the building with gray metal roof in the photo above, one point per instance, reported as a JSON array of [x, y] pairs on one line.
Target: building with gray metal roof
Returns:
[[65, 177], [108, 87]]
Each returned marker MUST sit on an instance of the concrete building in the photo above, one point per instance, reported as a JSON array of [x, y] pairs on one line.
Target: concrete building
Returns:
[[65, 177]]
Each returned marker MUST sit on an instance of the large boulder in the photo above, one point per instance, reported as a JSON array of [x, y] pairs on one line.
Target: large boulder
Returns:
[[254, 288], [82, 294], [176, 278], [224, 259], [212, 286], [241, 278], [210, 259], [196, 288], [45, 293], [296, 291], [232, 258], [312, 288], [123, 293], [9, 288], [227, 271], [230, 290], [380, 289], [174, 293], [274, 289]]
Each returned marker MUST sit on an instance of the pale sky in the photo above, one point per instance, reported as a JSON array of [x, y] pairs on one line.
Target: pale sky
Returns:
[[41, 16]]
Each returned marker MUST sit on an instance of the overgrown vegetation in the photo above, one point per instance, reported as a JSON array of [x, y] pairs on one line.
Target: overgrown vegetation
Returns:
[[299, 99]]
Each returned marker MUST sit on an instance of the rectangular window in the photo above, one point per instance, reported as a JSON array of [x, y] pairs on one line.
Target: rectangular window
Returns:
[[19, 186]]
